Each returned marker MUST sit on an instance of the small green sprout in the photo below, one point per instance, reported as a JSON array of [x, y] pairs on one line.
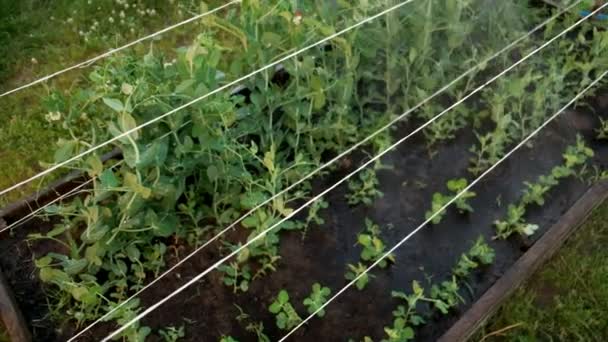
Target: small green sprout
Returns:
[[439, 200], [285, 314], [317, 298]]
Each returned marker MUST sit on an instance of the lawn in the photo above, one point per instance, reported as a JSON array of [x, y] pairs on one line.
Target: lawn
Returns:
[[565, 301]]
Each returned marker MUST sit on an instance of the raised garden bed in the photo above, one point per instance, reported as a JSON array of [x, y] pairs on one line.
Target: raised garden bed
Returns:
[[322, 255], [216, 308]]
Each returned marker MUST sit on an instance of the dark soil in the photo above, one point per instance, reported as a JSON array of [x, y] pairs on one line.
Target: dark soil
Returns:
[[209, 309]]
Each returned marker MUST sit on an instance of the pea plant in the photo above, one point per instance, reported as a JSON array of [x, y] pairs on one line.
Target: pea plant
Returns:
[[364, 189], [574, 160], [480, 254], [317, 298], [285, 314], [602, 131], [519, 102], [173, 334], [373, 249], [440, 200]]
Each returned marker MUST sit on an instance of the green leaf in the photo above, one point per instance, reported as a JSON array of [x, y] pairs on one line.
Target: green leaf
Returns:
[[283, 296], [43, 262], [92, 254], [126, 122], [133, 252], [155, 155], [166, 226], [212, 173], [65, 151], [251, 199], [74, 266], [271, 39], [364, 239], [48, 275], [275, 307], [108, 179], [95, 165], [115, 104], [58, 230], [407, 333]]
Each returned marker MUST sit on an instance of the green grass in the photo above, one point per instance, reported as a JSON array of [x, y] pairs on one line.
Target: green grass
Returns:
[[567, 300], [38, 37]]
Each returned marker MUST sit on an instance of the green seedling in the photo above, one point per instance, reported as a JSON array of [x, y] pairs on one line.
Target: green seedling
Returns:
[[285, 314], [354, 271], [514, 223], [317, 298], [440, 200], [172, 334], [373, 246], [446, 295], [237, 276], [364, 188], [602, 131], [480, 254], [228, 339]]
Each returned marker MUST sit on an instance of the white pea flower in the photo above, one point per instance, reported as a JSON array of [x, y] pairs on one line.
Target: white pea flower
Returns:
[[297, 18], [126, 89], [53, 116]]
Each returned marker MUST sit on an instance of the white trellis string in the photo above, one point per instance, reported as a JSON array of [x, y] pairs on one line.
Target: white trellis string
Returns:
[[126, 46], [327, 164], [455, 198], [213, 92], [317, 197]]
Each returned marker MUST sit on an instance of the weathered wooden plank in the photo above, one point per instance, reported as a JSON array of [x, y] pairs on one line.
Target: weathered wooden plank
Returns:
[[15, 325]]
